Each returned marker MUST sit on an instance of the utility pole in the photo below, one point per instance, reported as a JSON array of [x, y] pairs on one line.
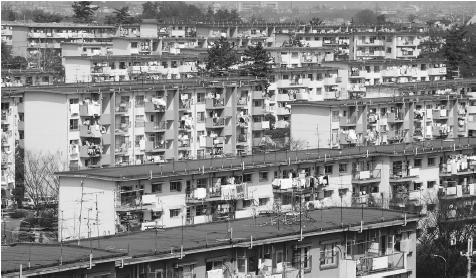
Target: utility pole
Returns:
[[468, 255]]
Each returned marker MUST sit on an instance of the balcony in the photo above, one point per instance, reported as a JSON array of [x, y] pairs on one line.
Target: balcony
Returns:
[[344, 121], [257, 95], [243, 101], [404, 175], [154, 146], [259, 110], [89, 151], [153, 127], [393, 117], [21, 125], [283, 111], [184, 105], [123, 108], [155, 106], [90, 110], [363, 177], [211, 123], [93, 131], [440, 114], [392, 264], [214, 103], [224, 192], [438, 131], [282, 98], [122, 128]]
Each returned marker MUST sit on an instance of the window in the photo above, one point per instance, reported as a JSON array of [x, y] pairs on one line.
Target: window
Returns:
[[263, 176], [73, 124], [241, 264], [389, 50], [430, 184], [246, 203], [431, 162], [310, 76], [200, 116], [342, 168], [133, 44], [140, 100], [328, 193], [417, 186], [174, 64], [157, 188], [174, 212], [423, 67], [328, 169], [247, 178], [417, 163], [328, 254], [74, 101], [176, 186], [263, 201], [200, 98], [302, 256], [201, 210]]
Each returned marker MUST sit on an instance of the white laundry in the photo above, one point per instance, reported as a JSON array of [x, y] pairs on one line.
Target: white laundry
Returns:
[[200, 193], [74, 109]]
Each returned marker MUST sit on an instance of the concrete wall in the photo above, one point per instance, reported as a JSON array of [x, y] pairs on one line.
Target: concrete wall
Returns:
[[317, 128], [19, 40], [70, 208], [77, 69], [45, 128]]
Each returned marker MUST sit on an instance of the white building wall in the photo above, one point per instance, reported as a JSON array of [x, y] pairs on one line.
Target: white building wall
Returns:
[[70, 207], [316, 132], [77, 70]]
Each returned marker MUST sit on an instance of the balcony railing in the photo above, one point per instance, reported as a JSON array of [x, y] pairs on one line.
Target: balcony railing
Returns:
[[348, 121], [393, 117], [366, 176], [215, 122], [405, 174], [214, 103], [371, 265]]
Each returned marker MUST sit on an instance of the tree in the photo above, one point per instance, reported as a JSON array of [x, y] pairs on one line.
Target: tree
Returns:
[[8, 14], [365, 17], [381, 19], [42, 16], [221, 56], [411, 18], [83, 11], [256, 60], [6, 55], [442, 232], [177, 10], [18, 63], [40, 182], [316, 21], [455, 50], [121, 16], [432, 47], [19, 191], [150, 10]]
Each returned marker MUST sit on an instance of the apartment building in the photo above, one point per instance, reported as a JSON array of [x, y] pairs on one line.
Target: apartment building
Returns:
[[30, 77], [86, 49], [104, 68], [412, 112], [140, 122], [12, 135], [388, 41], [361, 243], [360, 74], [300, 83], [28, 39], [200, 191]]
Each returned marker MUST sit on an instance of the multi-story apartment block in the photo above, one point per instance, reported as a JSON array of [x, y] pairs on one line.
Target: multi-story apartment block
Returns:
[[200, 191], [28, 39], [301, 83], [86, 49], [12, 135], [348, 243], [385, 116], [30, 77], [388, 41], [101, 68], [292, 57], [357, 75], [140, 122]]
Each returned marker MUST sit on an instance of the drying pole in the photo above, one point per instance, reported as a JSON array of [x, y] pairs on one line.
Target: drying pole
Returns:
[[80, 212]]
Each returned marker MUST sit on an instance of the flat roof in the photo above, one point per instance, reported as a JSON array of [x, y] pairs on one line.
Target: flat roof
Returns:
[[252, 162], [132, 57], [388, 61], [55, 24], [305, 69], [373, 101], [48, 255], [215, 235]]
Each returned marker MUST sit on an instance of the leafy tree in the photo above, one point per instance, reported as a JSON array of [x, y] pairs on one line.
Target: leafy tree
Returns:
[[365, 17], [381, 19], [121, 16], [178, 10], [6, 55], [257, 61], [221, 56], [42, 16], [455, 49], [18, 63], [316, 21], [19, 191], [8, 13], [83, 11], [432, 47], [150, 10]]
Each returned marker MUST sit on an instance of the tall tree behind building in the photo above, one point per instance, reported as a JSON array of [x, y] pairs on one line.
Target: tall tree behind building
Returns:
[[84, 11]]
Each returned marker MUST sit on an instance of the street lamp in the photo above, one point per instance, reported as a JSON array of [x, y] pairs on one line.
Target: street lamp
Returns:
[[438, 256]]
